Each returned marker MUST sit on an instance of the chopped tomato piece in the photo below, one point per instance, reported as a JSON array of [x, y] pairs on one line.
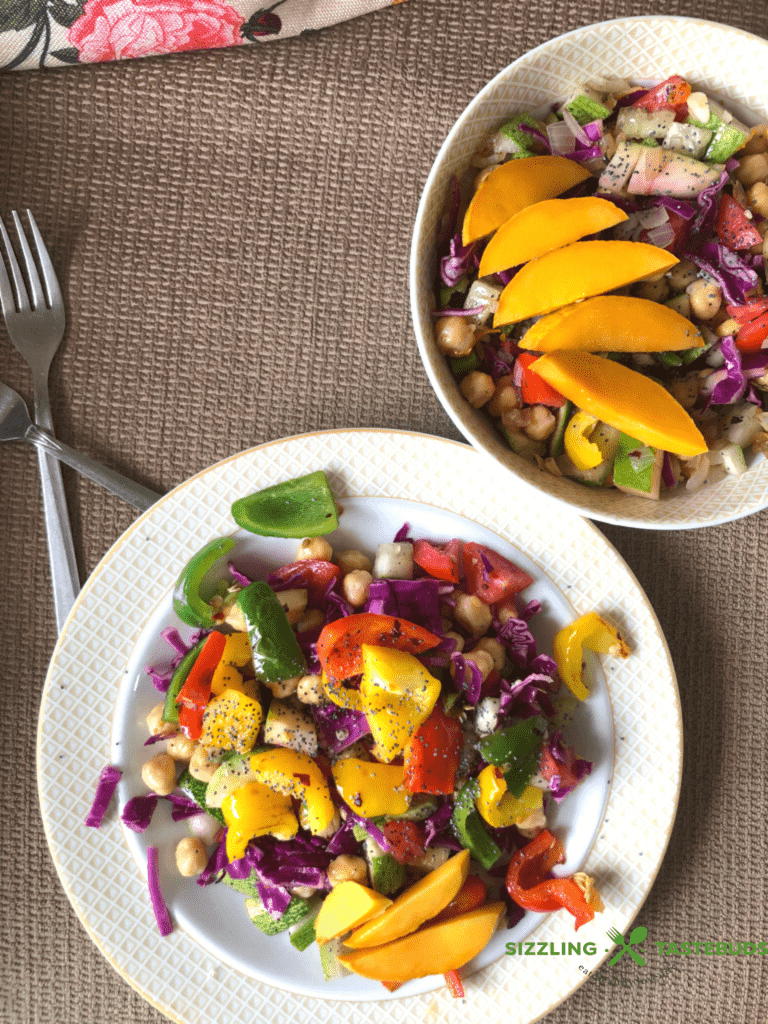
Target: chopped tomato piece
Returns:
[[470, 896], [529, 887], [734, 228], [339, 645], [752, 334], [743, 314], [441, 562], [314, 574], [533, 388], [490, 576], [453, 981], [432, 757], [406, 839], [550, 768], [671, 94]]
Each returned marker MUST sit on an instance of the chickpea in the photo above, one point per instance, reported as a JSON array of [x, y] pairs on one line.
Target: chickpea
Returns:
[[686, 390], [656, 291], [482, 659], [454, 336], [705, 298], [726, 328], [310, 690], [517, 419], [542, 423], [495, 649], [314, 547], [478, 388], [681, 275], [457, 637], [681, 304], [181, 747], [283, 687], [504, 397], [355, 587], [352, 559], [758, 141], [752, 168], [191, 856], [347, 869], [200, 764], [159, 774], [507, 612], [155, 723], [472, 614], [757, 197], [314, 617], [294, 603]]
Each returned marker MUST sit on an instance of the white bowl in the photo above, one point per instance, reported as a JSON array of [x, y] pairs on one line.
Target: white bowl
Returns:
[[724, 62]]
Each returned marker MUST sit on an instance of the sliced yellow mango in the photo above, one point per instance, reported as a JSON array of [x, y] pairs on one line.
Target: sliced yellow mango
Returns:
[[435, 950], [345, 907], [623, 398], [546, 226], [613, 323], [575, 272], [425, 899], [513, 186]]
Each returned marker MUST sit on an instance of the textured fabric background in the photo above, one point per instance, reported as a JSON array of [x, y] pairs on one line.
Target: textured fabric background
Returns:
[[232, 230]]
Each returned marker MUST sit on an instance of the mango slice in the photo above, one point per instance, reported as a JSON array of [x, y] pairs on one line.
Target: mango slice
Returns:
[[345, 907], [513, 186], [575, 272], [546, 226], [425, 899], [434, 950], [613, 323], [623, 398]]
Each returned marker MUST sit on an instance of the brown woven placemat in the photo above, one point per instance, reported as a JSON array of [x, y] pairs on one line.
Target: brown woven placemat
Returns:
[[232, 230]]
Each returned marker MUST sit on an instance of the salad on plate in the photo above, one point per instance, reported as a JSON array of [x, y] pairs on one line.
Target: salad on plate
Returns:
[[365, 746], [601, 287]]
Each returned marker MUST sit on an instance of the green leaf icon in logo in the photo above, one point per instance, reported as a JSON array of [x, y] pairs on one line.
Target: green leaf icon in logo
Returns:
[[636, 935]]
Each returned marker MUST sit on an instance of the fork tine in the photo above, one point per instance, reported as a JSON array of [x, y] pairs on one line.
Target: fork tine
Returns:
[[38, 298], [18, 280], [52, 290], [6, 292]]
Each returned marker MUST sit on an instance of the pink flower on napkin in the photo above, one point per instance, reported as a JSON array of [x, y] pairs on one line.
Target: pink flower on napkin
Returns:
[[112, 29]]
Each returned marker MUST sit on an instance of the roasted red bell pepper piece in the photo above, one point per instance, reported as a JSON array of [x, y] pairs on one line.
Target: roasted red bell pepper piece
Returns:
[[743, 314], [470, 896], [671, 94], [490, 576], [444, 563], [191, 721], [405, 839], [314, 574], [752, 335], [196, 691], [453, 981], [339, 645], [529, 887], [734, 228], [432, 756], [533, 388]]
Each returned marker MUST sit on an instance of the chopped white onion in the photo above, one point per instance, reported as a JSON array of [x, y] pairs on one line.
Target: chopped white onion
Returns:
[[575, 128], [204, 827], [561, 139], [662, 235], [699, 476], [614, 85], [653, 218]]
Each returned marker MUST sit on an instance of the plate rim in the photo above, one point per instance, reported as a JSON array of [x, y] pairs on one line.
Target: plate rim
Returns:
[[329, 436]]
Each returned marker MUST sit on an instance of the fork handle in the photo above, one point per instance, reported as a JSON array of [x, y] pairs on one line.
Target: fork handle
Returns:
[[140, 497], [65, 580]]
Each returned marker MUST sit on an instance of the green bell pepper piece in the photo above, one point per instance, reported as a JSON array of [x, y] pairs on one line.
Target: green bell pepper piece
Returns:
[[463, 364], [303, 507], [517, 749], [188, 602], [470, 829], [179, 677], [669, 358], [275, 651]]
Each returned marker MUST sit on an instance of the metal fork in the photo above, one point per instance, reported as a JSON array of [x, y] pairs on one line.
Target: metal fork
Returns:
[[36, 329]]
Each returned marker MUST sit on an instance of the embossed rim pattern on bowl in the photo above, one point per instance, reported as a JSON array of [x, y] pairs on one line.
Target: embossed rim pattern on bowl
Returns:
[[96, 867], [641, 48]]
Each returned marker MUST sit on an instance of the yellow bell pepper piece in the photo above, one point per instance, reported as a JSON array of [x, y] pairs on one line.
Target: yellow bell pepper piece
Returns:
[[371, 789], [256, 810], [498, 806], [231, 722], [237, 650], [512, 186], [295, 774], [582, 452], [624, 399], [575, 272], [227, 677], [342, 696], [597, 635], [613, 323], [545, 226], [398, 695]]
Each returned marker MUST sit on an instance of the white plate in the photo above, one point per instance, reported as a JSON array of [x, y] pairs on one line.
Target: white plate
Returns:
[[98, 665], [727, 64]]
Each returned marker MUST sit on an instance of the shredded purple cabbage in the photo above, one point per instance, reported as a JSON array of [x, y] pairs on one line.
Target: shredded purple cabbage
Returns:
[[159, 907], [726, 386], [368, 826], [239, 577], [667, 475], [217, 862], [623, 202], [182, 807], [565, 756], [582, 154], [468, 677], [160, 680], [402, 535], [678, 206], [159, 737], [173, 637], [527, 697], [343, 841], [453, 311], [414, 600], [435, 824], [458, 262], [518, 641], [105, 790], [708, 201], [754, 364], [530, 130], [137, 813], [338, 727]]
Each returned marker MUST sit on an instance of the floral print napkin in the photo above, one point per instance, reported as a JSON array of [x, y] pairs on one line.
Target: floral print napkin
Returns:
[[53, 33]]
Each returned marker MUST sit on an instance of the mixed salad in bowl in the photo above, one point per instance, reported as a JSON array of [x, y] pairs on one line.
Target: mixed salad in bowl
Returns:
[[366, 747], [601, 287]]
